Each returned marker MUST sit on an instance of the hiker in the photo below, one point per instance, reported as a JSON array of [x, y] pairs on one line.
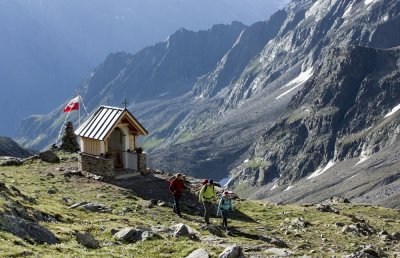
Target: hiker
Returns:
[[176, 187], [207, 195], [224, 207]]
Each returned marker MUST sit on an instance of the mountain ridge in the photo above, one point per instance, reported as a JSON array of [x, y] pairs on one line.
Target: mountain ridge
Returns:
[[9, 148]]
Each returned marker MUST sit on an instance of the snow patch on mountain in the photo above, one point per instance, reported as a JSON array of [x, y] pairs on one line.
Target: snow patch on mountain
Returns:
[[347, 11], [394, 110], [320, 171], [297, 82], [363, 157], [288, 188], [367, 2], [319, 8]]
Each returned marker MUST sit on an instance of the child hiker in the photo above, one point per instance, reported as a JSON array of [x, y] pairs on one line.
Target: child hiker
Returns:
[[224, 207]]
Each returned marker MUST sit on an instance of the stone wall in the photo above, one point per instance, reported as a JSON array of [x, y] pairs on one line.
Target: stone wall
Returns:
[[96, 165], [142, 162]]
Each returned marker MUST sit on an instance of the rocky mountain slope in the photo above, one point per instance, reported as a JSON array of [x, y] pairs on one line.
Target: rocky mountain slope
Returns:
[[347, 110], [55, 210], [9, 148], [206, 116]]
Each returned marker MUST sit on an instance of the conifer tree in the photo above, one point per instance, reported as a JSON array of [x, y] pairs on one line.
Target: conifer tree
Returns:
[[69, 142]]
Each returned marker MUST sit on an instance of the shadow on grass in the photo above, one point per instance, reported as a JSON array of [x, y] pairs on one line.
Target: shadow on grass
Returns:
[[238, 215], [235, 232], [155, 188]]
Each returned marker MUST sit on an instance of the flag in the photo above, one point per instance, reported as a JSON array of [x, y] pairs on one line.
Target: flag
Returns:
[[73, 104]]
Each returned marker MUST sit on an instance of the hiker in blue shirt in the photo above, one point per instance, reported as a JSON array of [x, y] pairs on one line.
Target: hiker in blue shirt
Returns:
[[224, 207]]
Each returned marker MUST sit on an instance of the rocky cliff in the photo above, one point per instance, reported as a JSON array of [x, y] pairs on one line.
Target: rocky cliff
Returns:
[[344, 114]]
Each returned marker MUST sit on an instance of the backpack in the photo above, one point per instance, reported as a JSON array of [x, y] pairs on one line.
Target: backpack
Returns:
[[223, 201], [205, 189]]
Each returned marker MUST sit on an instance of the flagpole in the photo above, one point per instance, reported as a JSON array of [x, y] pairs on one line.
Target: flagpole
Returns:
[[79, 109]]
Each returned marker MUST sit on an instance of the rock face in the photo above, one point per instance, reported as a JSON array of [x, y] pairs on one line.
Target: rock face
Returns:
[[95, 207], [207, 109], [199, 253], [87, 240], [28, 230], [181, 230], [235, 251], [128, 235]]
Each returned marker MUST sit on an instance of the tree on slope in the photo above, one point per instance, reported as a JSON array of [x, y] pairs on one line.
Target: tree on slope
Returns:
[[69, 142]]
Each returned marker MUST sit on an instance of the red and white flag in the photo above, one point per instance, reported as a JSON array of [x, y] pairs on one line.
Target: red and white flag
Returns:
[[73, 104]]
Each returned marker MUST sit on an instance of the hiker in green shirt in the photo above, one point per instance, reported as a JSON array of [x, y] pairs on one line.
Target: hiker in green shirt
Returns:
[[207, 195]]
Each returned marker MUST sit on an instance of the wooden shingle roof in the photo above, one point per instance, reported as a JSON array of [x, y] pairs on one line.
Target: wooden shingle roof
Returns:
[[99, 125]]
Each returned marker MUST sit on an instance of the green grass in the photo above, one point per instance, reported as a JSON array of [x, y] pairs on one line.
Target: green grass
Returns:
[[152, 143], [251, 217], [254, 164]]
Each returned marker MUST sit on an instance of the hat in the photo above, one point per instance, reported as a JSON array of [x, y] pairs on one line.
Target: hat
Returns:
[[205, 181]]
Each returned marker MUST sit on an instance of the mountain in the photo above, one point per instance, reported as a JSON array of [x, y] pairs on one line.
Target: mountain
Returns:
[[48, 47], [344, 115], [9, 148], [276, 102], [175, 64]]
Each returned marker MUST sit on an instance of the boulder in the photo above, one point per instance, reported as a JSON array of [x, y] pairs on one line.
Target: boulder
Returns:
[[181, 230], [336, 200], [213, 229], [199, 253], [300, 223], [129, 235], [49, 156], [396, 236], [87, 240], [78, 204], [52, 191], [149, 203], [235, 251], [280, 252], [367, 252], [326, 208], [149, 235], [358, 229], [96, 207], [27, 230]]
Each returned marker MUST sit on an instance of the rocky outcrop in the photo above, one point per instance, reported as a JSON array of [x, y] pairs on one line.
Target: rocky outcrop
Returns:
[[336, 116], [87, 240], [235, 251], [27, 230]]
